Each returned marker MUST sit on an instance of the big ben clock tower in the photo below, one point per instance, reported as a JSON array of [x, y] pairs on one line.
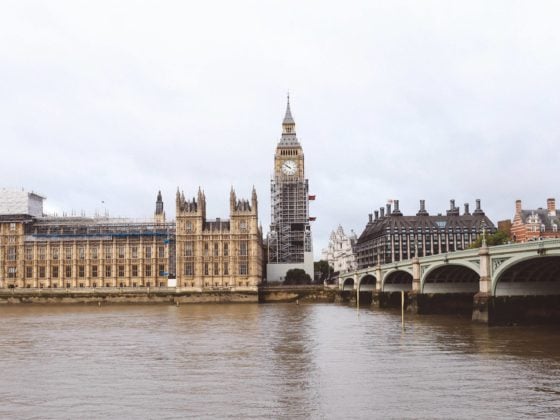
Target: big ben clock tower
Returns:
[[289, 240]]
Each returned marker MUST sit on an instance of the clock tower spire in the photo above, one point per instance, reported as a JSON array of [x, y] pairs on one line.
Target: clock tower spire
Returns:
[[289, 241]]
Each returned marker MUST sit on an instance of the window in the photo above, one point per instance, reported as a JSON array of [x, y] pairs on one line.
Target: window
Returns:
[[226, 250], [206, 269], [54, 252], [42, 272], [93, 271], [28, 253], [148, 252], [81, 271], [148, 270], [161, 252], [54, 271], [68, 271], [188, 226], [189, 249], [216, 249], [134, 252], [28, 272], [216, 269], [243, 268], [108, 252], [206, 249], [12, 271], [162, 269], [121, 251], [189, 269], [81, 253], [134, 270], [226, 269], [243, 225], [107, 271], [93, 252], [243, 248], [12, 253], [68, 253], [121, 270], [42, 253]]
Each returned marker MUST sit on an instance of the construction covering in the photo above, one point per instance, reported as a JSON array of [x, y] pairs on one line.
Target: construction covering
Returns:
[[20, 203]]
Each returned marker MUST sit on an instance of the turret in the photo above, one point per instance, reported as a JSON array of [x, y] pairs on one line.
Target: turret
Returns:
[[159, 214]]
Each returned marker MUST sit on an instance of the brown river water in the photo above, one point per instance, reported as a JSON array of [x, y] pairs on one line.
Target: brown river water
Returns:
[[269, 361]]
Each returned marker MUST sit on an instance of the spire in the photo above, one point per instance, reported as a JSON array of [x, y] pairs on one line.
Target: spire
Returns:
[[288, 119], [159, 204]]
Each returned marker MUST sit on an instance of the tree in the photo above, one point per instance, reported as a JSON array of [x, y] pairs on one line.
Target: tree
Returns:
[[324, 269], [297, 276], [501, 237]]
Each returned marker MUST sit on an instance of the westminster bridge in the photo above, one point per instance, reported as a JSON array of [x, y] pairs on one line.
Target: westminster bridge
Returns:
[[499, 284]]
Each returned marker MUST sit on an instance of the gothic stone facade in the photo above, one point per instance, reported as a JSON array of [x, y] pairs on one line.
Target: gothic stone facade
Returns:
[[340, 251], [43, 252], [218, 253]]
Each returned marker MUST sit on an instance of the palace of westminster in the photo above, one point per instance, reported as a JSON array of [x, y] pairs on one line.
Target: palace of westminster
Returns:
[[194, 253]]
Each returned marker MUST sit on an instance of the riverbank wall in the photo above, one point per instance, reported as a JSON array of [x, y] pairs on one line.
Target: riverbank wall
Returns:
[[102, 296]]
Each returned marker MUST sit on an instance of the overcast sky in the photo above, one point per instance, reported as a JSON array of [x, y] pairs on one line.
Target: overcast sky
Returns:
[[437, 100]]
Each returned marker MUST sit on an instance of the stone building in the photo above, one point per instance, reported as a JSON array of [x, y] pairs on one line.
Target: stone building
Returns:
[[46, 251], [289, 241], [339, 252], [535, 223], [389, 236], [218, 253]]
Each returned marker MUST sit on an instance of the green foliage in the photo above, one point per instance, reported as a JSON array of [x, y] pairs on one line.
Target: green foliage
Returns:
[[499, 238], [297, 276], [323, 268]]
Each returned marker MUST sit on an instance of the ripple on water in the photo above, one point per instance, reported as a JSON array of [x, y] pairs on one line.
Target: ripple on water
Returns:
[[279, 361]]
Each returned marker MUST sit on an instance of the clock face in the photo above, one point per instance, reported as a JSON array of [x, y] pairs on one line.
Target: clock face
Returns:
[[289, 167]]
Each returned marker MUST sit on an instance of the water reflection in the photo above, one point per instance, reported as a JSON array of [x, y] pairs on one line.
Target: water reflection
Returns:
[[279, 361]]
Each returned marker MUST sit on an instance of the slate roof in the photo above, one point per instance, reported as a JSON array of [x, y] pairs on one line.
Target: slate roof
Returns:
[[395, 222], [545, 219]]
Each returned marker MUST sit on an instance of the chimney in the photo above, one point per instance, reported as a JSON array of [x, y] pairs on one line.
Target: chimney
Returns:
[[388, 209], [397, 212], [370, 217], [517, 206], [551, 206], [376, 212], [467, 209], [381, 212], [451, 205], [422, 211], [478, 209]]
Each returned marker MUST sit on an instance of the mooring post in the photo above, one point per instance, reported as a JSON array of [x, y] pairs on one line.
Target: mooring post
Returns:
[[402, 309], [357, 292]]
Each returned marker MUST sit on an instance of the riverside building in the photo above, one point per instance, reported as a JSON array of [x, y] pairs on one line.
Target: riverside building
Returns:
[[389, 236], [289, 241], [339, 252], [45, 251], [532, 224]]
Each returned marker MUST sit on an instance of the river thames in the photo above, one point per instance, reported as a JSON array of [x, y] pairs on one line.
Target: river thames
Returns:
[[269, 361]]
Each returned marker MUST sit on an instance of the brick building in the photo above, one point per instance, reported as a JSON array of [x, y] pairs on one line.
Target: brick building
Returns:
[[536, 223]]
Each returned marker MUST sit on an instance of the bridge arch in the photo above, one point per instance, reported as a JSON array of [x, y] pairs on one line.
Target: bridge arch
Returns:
[[348, 284], [451, 278], [397, 280], [367, 282], [527, 276]]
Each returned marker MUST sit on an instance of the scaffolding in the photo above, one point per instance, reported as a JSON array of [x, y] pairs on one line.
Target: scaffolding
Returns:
[[290, 232]]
